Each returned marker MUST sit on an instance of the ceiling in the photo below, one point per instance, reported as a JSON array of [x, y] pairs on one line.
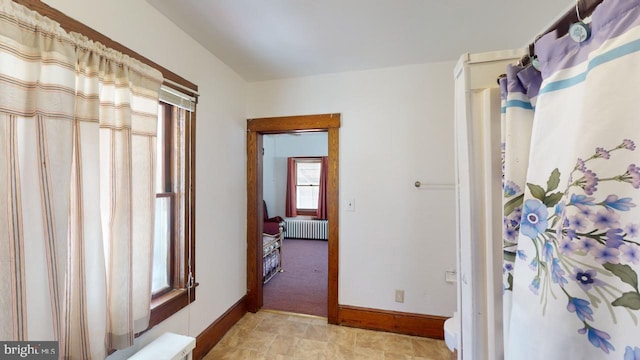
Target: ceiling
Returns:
[[273, 39]]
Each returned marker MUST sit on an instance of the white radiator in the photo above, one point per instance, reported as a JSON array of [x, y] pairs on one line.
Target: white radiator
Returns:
[[169, 346], [306, 229]]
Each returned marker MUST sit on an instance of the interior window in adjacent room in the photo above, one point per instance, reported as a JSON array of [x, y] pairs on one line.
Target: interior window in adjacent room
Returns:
[[307, 184]]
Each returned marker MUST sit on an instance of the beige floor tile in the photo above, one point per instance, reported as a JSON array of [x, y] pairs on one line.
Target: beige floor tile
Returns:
[[218, 352], [339, 352], [299, 319], [310, 349], [308, 319], [278, 357], [392, 356], [398, 344], [233, 354], [283, 345], [318, 321], [250, 321], [430, 348], [367, 354], [292, 328], [269, 325], [317, 332], [256, 340], [342, 335], [233, 337], [270, 335], [370, 340]]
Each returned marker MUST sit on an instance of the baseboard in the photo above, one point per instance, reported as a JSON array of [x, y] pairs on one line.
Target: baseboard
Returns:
[[392, 321], [210, 336]]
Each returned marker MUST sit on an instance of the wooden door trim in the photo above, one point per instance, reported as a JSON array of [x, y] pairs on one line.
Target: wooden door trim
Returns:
[[287, 124], [256, 128], [254, 227]]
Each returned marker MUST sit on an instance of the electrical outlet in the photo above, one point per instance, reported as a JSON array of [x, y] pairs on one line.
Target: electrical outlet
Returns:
[[450, 276], [400, 296]]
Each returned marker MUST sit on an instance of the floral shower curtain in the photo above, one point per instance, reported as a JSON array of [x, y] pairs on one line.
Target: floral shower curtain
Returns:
[[519, 89], [77, 140], [575, 271]]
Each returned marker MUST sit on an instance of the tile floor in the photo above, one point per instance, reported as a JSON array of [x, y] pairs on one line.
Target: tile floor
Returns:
[[275, 335]]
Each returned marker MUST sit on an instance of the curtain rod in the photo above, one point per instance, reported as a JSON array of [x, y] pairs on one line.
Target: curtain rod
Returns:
[[585, 7], [561, 26], [71, 25]]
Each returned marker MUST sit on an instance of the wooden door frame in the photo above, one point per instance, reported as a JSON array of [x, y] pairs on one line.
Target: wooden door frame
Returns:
[[256, 128]]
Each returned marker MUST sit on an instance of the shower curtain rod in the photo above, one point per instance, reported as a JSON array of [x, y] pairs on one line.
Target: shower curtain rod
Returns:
[[585, 8]]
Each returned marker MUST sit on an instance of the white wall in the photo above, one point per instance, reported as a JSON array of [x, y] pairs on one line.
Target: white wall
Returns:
[[220, 148], [397, 127], [277, 148]]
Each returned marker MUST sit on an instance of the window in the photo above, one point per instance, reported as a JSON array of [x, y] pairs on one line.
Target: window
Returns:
[[173, 284], [307, 185], [175, 204]]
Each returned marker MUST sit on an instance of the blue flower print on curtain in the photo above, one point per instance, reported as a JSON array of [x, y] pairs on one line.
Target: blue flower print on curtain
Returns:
[[519, 90], [632, 353], [582, 247], [575, 292], [534, 219]]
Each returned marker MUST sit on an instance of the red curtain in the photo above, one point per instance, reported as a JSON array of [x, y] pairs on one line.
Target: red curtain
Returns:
[[291, 206], [322, 192]]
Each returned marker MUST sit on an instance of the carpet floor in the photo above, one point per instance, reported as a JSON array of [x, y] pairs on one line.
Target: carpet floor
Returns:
[[302, 287]]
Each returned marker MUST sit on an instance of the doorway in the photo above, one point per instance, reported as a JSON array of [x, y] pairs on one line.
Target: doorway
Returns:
[[256, 128], [301, 284]]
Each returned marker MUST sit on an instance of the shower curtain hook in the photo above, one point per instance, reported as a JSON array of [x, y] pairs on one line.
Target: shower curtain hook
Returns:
[[579, 32], [578, 11], [533, 58]]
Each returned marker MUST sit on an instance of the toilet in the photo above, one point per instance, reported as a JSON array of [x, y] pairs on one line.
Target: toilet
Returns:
[[452, 332]]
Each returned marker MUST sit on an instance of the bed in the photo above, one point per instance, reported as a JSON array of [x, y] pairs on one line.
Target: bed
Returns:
[[272, 231], [271, 256]]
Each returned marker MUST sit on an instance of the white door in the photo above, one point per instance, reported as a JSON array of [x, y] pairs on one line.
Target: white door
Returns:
[[479, 203]]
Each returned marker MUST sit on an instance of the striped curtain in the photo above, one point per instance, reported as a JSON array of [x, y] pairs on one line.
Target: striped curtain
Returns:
[[117, 105], [77, 140]]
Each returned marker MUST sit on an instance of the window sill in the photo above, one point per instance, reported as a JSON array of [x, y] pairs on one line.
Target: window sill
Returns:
[[170, 303]]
